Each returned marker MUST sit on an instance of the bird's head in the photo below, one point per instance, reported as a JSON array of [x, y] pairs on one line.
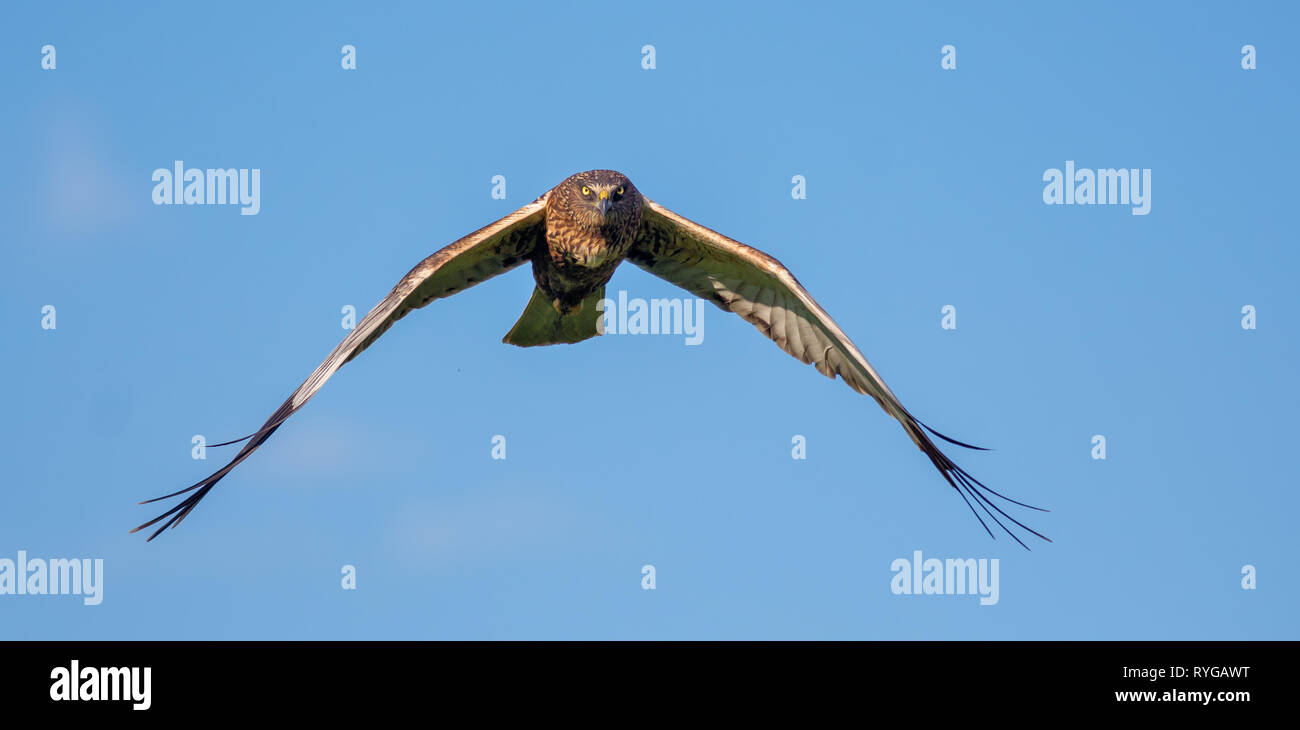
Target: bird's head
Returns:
[[600, 198]]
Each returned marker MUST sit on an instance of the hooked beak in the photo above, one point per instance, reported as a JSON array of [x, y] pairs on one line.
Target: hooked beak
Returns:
[[605, 203]]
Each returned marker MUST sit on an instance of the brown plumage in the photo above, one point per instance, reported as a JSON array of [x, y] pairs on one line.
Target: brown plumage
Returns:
[[575, 236], [583, 243]]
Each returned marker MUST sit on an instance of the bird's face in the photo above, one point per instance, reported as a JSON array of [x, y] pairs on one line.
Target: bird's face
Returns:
[[601, 198]]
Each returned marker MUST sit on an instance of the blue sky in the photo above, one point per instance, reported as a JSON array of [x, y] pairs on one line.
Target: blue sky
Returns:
[[924, 189]]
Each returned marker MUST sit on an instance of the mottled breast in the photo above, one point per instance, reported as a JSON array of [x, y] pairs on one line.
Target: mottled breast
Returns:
[[584, 244]]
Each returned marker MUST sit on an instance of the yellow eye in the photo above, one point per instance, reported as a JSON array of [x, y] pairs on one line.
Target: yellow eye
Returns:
[[586, 190], [620, 189]]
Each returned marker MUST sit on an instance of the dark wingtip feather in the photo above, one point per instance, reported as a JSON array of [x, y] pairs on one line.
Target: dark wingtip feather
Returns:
[[969, 488], [963, 499], [949, 439], [177, 493], [179, 511], [266, 428], [233, 441]]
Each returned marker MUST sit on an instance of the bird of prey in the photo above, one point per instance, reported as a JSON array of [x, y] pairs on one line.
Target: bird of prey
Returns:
[[574, 236]]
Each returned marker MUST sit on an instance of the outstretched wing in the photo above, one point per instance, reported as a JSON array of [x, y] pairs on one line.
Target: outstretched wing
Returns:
[[491, 250], [757, 287]]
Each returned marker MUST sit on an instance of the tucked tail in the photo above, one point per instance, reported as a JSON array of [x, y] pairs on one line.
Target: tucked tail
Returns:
[[542, 324]]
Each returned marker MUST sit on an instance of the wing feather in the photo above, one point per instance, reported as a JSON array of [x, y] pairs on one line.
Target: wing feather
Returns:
[[752, 284], [483, 254]]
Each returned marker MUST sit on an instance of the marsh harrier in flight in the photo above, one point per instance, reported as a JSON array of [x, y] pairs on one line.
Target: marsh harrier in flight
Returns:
[[574, 236]]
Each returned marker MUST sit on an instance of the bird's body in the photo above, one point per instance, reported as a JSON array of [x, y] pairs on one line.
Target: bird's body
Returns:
[[592, 221], [575, 236], [582, 251]]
